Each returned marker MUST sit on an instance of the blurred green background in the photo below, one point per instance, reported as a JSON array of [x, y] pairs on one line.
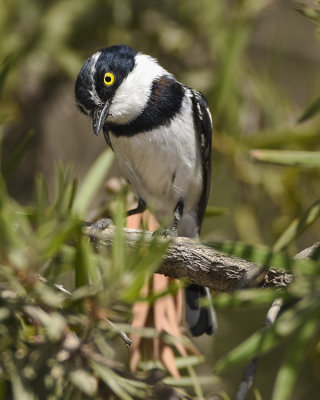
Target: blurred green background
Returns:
[[258, 64]]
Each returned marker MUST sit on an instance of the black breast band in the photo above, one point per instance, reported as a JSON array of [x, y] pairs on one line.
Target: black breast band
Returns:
[[163, 104]]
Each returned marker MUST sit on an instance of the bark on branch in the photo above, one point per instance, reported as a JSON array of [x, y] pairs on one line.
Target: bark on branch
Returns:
[[202, 265]]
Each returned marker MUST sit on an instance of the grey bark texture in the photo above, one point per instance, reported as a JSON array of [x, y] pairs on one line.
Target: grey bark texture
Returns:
[[203, 265]]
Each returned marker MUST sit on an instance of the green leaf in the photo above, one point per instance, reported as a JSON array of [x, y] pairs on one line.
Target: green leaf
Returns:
[[82, 263], [144, 260], [216, 211], [112, 380], [188, 381], [48, 295], [295, 354], [41, 198], [65, 190], [92, 182], [257, 394], [309, 11], [277, 138], [7, 64], [264, 256], [298, 226], [54, 323], [287, 157], [290, 320], [84, 381], [196, 382], [257, 254], [59, 236], [261, 342], [17, 155], [119, 248], [181, 362], [311, 110], [248, 296], [55, 326], [20, 391], [258, 343]]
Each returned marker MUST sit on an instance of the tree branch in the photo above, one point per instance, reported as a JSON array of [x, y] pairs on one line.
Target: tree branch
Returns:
[[201, 264]]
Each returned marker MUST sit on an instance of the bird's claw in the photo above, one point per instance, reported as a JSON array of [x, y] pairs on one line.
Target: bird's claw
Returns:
[[168, 233], [100, 225]]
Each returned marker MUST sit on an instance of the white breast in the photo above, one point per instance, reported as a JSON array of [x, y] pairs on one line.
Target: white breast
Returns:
[[163, 165]]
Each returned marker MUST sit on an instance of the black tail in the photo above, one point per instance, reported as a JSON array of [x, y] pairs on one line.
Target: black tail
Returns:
[[200, 319]]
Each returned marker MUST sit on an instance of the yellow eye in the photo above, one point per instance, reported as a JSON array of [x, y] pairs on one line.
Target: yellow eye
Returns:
[[108, 79]]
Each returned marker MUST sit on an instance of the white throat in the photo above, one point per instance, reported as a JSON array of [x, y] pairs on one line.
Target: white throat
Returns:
[[132, 95]]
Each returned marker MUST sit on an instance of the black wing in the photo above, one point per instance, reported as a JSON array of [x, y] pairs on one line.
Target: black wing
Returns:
[[203, 127]]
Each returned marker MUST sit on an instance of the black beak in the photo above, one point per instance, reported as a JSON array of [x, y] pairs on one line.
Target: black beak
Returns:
[[99, 116]]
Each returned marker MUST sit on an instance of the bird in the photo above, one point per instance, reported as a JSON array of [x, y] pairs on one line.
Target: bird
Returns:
[[160, 132]]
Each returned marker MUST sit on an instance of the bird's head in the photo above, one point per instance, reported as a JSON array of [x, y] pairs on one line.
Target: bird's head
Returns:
[[114, 85]]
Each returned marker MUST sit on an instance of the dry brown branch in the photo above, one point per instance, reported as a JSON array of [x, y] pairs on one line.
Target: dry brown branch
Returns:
[[201, 264]]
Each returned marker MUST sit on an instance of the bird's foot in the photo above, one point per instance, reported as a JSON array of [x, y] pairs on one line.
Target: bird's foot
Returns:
[[100, 225], [168, 233]]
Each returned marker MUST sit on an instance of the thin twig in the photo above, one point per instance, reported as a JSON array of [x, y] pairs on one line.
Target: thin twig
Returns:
[[60, 288], [99, 358], [248, 376], [126, 339]]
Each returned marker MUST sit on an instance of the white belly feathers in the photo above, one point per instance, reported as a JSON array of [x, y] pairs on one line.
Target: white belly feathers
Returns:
[[163, 165]]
